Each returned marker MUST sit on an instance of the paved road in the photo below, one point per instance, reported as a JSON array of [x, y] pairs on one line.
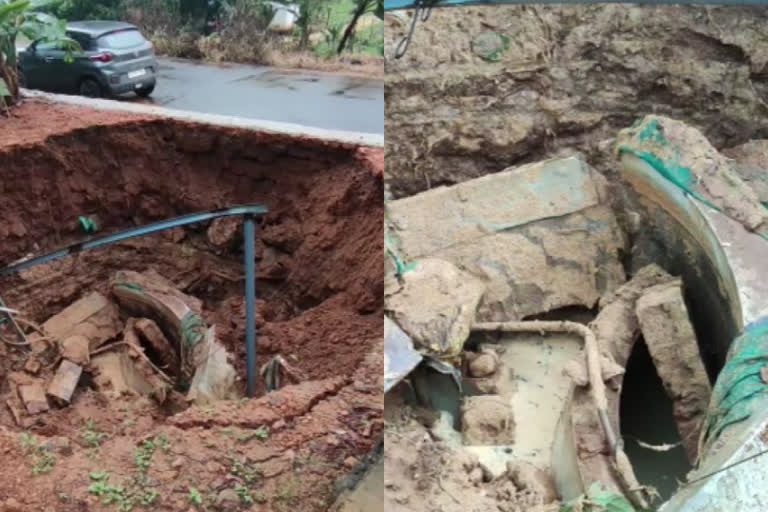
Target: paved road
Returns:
[[320, 100]]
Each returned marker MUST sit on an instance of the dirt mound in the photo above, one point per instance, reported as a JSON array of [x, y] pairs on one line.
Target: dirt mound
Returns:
[[319, 306], [570, 79], [424, 474]]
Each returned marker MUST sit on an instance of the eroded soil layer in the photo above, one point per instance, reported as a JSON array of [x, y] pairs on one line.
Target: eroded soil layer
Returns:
[[319, 304], [571, 78]]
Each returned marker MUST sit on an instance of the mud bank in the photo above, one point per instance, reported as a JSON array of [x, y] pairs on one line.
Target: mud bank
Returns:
[[319, 301], [571, 78]]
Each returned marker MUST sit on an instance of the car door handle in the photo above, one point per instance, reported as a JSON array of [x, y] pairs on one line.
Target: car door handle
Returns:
[[48, 59]]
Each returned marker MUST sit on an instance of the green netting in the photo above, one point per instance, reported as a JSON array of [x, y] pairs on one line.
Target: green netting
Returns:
[[649, 143], [391, 247], [739, 383]]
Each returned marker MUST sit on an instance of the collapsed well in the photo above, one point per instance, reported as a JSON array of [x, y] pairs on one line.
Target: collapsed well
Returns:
[[318, 262]]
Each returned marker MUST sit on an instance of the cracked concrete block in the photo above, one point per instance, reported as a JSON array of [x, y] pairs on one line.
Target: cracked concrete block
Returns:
[[93, 317], [538, 236], [33, 397], [435, 304], [64, 382], [672, 343], [76, 349]]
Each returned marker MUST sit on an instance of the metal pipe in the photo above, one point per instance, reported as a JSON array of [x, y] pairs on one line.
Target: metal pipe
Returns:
[[250, 209], [249, 234]]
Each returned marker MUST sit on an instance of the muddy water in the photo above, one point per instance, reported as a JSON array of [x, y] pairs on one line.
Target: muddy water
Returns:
[[646, 415]]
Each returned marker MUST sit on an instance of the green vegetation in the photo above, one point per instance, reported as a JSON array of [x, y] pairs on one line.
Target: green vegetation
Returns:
[[600, 499], [42, 458], [92, 436], [136, 490], [245, 470], [24, 18], [244, 494], [238, 30], [195, 497]]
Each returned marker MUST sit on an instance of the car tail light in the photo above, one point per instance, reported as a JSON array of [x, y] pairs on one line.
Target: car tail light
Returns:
[[102, 57]]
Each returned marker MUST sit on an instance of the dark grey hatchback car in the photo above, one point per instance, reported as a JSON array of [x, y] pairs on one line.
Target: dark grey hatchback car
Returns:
[[115, 59]]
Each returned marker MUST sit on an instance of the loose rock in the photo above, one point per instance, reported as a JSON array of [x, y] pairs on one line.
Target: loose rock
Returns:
[[65, 381], [33, 397], [435, 305], [487, 420], [93, 317], [76, 348]]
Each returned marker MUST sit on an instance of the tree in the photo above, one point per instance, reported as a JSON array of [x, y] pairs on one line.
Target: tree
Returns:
[[24, 17], [361, 7]]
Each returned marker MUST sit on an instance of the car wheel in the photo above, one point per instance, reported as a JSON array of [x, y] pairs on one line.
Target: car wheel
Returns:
[[91, 88], [144, 92]]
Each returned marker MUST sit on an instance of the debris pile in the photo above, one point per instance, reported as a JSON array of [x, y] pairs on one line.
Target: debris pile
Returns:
[[150, 342], [464, 295]]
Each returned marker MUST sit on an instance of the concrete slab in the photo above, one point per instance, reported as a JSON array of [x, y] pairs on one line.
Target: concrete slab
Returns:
[[538, 236]]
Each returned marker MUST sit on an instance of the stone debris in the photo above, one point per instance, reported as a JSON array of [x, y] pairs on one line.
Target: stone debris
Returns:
[[76, 349], [528, 477], [65, 381], [223, 230], [487, 420], [33, 397], [93, 317], [32, 365], [672, 343], [484, 364], [435, 304]]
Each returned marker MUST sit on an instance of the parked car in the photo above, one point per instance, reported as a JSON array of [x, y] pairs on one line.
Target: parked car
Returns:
[[115, 58]]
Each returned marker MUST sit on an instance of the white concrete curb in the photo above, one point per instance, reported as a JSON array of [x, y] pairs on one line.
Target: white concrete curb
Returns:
[[363, 139]]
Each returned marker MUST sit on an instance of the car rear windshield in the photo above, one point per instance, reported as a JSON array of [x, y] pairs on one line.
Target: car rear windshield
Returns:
[[122, 39]]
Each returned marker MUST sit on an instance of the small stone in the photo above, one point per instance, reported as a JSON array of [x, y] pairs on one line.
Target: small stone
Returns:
[[350, 462], [228, 499], [764, 373], [278, 425], [531, 478], [65, 381], [33, 396], [223, 230], [483, 366], [32, 365], [177, 462], [76, 348], [214, 467]]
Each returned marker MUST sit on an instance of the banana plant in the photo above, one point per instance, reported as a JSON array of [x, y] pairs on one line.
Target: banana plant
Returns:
[[361, 7], [24, 17]]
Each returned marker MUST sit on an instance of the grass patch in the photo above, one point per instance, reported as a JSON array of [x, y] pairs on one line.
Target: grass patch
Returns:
[[42, 458]]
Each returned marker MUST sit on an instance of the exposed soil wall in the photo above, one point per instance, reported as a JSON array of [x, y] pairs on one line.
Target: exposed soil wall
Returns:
[[571, 78], [319, 291]]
